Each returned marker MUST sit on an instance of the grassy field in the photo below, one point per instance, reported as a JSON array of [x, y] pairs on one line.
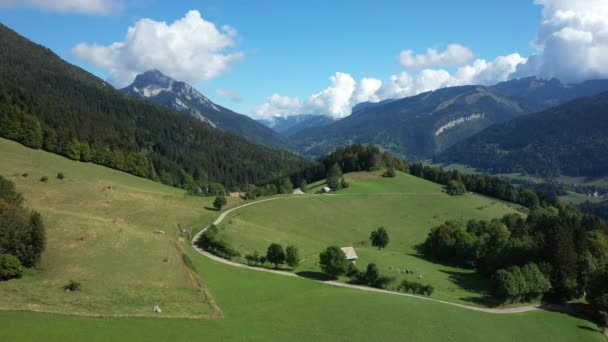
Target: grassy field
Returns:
[[408, 207], [259, 306], [122, 272], [101, 227]]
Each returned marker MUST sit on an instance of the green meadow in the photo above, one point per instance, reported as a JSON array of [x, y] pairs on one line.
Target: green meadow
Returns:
[[101, 231]]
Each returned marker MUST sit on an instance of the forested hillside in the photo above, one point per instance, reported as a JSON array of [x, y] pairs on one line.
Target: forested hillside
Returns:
[[48, 103], [571, 139]]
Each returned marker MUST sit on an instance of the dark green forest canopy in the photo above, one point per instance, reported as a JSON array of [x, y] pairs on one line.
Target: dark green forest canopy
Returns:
[[48, 103]]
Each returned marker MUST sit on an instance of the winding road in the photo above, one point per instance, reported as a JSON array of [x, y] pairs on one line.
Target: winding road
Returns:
[[519, 309]]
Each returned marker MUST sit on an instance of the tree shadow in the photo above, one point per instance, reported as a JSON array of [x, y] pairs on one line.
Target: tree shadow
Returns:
[[315, 275], [470, 282], [588, 328], [211, 209]]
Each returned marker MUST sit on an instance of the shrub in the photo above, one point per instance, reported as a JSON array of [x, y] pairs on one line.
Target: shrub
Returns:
[[219, 202], [212, 244], [415, 287], [44, 179], [390, 172], [24, 175], [253, 259], [72, 286], [10, 267], [60, 175]]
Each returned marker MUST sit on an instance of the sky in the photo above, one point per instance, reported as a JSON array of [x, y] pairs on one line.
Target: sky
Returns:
[[279, 58]]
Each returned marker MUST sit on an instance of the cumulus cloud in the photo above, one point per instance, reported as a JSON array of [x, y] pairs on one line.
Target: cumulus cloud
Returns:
[[336, 100], [96, 7], [278, 105], [231, 94], [453, 55], [571, 44], [190, 49], [572, 41], [345, 92]]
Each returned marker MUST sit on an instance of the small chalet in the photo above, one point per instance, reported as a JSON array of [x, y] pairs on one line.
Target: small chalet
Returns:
[[350, 253], [236, 194], [326, 189]]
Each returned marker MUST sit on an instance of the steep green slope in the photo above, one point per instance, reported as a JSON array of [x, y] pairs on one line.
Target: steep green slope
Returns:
[[571, 139], [48, 103]]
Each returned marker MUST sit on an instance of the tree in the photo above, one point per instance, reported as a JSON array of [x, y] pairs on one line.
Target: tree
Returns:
[[390, 172], [292, 257], [333, 261], [253, 259], [275, 254], [10, 267], [219, 202], [379, 238], [455, 188], [597, 290], [344, 184], [303, 185]]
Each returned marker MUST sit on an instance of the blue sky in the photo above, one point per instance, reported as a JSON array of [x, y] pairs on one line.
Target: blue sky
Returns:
[[292, 48]]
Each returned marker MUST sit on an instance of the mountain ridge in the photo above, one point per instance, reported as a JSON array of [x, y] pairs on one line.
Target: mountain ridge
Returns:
[[156, 87]]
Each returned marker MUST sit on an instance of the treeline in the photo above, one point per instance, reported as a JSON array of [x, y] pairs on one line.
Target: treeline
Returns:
[[486, 185], [22, 235], [566, 246], [598, 209], [47, 103]]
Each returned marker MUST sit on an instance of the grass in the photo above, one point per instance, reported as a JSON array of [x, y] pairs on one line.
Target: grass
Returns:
[[408, 207], [101, 227], [259, 306], [254, 305]]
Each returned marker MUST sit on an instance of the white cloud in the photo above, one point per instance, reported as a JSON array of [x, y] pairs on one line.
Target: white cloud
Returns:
[[453, 55], [344, 92], [231, 94], [572, 41], [190, 49], [278, 105], [97, 7], [336, 100]]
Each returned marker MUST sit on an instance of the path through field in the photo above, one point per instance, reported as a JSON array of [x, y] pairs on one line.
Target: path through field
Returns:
[[219, 220]]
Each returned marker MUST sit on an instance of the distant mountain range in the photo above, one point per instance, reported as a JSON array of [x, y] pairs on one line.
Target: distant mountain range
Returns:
[[158, 88], [570, 139], [293, 124], [425, 125]]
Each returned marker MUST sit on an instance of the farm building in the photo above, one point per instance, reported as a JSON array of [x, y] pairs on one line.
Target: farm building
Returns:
[[350, 253], [326, 189], [298, 191], [236, 194]]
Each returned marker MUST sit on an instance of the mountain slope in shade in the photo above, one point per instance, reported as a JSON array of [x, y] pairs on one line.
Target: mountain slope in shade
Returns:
[[158, 88], [421, 126], [48, 103], [295, 123], [571, 139], [416, 127], [536, 94]]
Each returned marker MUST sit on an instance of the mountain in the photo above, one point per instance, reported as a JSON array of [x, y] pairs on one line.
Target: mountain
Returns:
[[369, 105], [536, 94], [158, 88], [571, 139], [424, 125], [295, 123], [415, 127], [48, 103]]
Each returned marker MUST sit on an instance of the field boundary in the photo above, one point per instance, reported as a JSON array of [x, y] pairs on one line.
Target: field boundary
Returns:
[[222, 216]]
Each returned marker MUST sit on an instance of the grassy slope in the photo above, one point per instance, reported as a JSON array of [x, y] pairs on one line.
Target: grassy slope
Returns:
[[255, 305], [259, 306], [100, 228], [408, 207]]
